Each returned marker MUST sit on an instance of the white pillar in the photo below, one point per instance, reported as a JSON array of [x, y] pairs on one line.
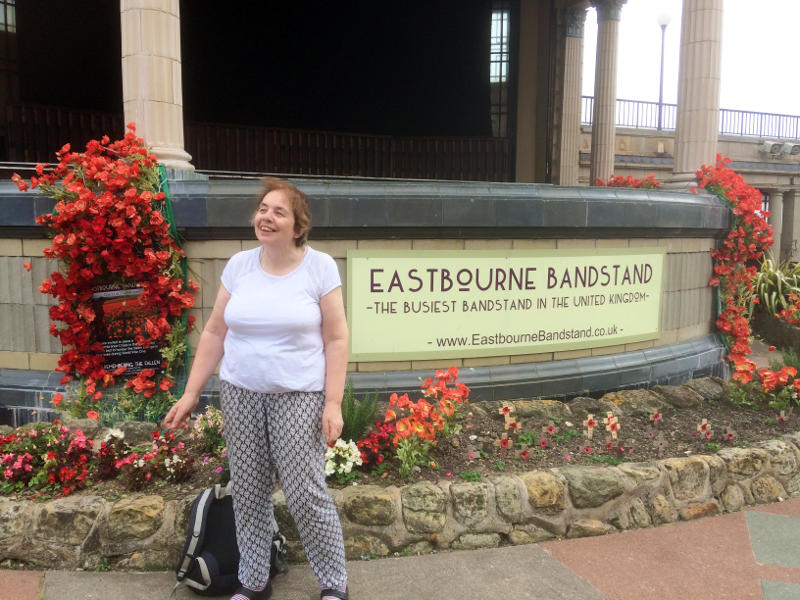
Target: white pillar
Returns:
[[698, 88], [791, 226], [152, 96], [776, 221], [604, 113], [570, 143]]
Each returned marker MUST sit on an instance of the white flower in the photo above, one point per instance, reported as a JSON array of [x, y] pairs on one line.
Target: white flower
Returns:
[[118, 433]]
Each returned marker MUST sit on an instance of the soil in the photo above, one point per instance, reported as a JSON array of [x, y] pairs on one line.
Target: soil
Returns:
[[473, 449], [473, 452]]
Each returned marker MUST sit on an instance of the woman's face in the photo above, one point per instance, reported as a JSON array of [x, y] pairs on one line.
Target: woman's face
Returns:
[[274, 220]]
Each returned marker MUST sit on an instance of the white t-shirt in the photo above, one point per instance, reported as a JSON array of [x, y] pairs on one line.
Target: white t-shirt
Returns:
[[274, 339]]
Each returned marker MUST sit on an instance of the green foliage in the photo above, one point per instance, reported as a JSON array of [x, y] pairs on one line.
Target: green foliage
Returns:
[[470, 475], [774, 282], [566, 435], [744, 395], [791, 358], [208, 433], [412, 452], [358, 416], [713, 446], [527, 438], [380, 469], [500, 465]]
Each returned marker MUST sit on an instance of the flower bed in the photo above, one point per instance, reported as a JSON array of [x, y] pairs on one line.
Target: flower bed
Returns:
[[529, 501], [147, 530]]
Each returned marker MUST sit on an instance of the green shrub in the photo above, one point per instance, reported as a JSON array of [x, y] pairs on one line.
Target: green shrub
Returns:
[[358, 416]]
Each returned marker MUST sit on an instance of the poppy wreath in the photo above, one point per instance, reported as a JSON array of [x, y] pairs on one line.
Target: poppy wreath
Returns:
[[735, 262], [111, 224]]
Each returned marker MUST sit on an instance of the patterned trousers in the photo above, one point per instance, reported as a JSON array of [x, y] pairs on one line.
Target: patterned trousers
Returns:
[[269, 433]]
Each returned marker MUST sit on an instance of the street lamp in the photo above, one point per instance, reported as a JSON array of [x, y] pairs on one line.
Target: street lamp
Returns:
[[663, 21]]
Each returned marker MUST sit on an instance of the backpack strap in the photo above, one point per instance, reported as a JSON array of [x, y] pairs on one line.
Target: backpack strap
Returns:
[[221, 491], [203, 505]]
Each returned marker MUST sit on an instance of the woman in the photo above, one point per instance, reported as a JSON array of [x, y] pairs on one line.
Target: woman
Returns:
[[278, 325]]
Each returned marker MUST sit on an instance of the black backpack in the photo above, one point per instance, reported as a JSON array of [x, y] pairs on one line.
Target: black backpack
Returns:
[[210, 560]]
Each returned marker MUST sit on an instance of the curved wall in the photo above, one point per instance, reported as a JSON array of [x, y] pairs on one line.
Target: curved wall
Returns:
[[213, 215]]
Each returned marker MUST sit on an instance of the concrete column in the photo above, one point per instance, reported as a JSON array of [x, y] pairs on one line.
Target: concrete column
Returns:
[[698, 88], [790, 233], [570, 142], [152, 96], [605, 88], [776, 221]]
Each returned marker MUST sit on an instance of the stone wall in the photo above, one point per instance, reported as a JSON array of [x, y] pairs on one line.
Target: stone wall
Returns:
[[145, 531]]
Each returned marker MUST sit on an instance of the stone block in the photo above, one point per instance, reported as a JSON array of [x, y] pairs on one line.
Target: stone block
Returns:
[[545, 490], [13, 360], [68, 519], [640, 472], [767, 489], [470, 502], [590, 487], [588, 527], [743, 462], [364, 547], [369, 505], [472, 541], [11, 247], [423, 507], [732, 498], [717, 473], [698, 510], [678, 396], [662, 510], [137, 517], [508, 497], [707, 387], [782, 456]]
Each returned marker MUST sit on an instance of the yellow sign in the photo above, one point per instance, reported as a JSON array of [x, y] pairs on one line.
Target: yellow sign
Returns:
[[454, 304]]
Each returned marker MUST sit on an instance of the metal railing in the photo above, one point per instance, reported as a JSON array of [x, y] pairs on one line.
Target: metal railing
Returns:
[[640, 114], [34, 132]]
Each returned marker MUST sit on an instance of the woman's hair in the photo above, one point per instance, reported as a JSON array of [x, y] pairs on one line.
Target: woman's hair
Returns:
[[297, 200]]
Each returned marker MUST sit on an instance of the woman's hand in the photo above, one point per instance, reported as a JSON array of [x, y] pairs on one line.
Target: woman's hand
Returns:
[[180, 412], [332, 421]]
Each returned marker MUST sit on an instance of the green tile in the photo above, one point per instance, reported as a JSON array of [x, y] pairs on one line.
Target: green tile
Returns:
[[774, 539], [777, 590]]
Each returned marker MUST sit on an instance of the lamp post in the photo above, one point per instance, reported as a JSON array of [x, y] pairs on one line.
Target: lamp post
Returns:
[[663, 21]]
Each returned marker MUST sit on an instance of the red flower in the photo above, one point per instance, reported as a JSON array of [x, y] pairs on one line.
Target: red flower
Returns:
[[524, 455], [543, 443], [27, 266], [57, 399], [771, 348], [587, 449], [92, 414]]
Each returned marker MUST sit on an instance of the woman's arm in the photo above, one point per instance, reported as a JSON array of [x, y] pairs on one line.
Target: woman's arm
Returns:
[[209, 352], [334, 338]]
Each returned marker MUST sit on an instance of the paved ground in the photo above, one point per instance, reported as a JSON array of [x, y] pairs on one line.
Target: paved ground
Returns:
[[747, 555]]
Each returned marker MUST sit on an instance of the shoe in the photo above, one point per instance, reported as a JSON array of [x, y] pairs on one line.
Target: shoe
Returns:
[[254, 595], [333, 592]]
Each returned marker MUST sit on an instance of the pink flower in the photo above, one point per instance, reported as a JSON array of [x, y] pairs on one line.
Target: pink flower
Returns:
[[219, 470]]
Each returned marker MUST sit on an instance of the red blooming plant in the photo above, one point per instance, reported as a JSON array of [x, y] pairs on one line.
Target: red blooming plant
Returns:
[[416, 424], [50, 459], [629, 181], [735, 261], [109, 229]]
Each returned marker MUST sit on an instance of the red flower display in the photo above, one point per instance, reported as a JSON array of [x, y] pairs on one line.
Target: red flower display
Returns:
[[108, 226], [735, 262]]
